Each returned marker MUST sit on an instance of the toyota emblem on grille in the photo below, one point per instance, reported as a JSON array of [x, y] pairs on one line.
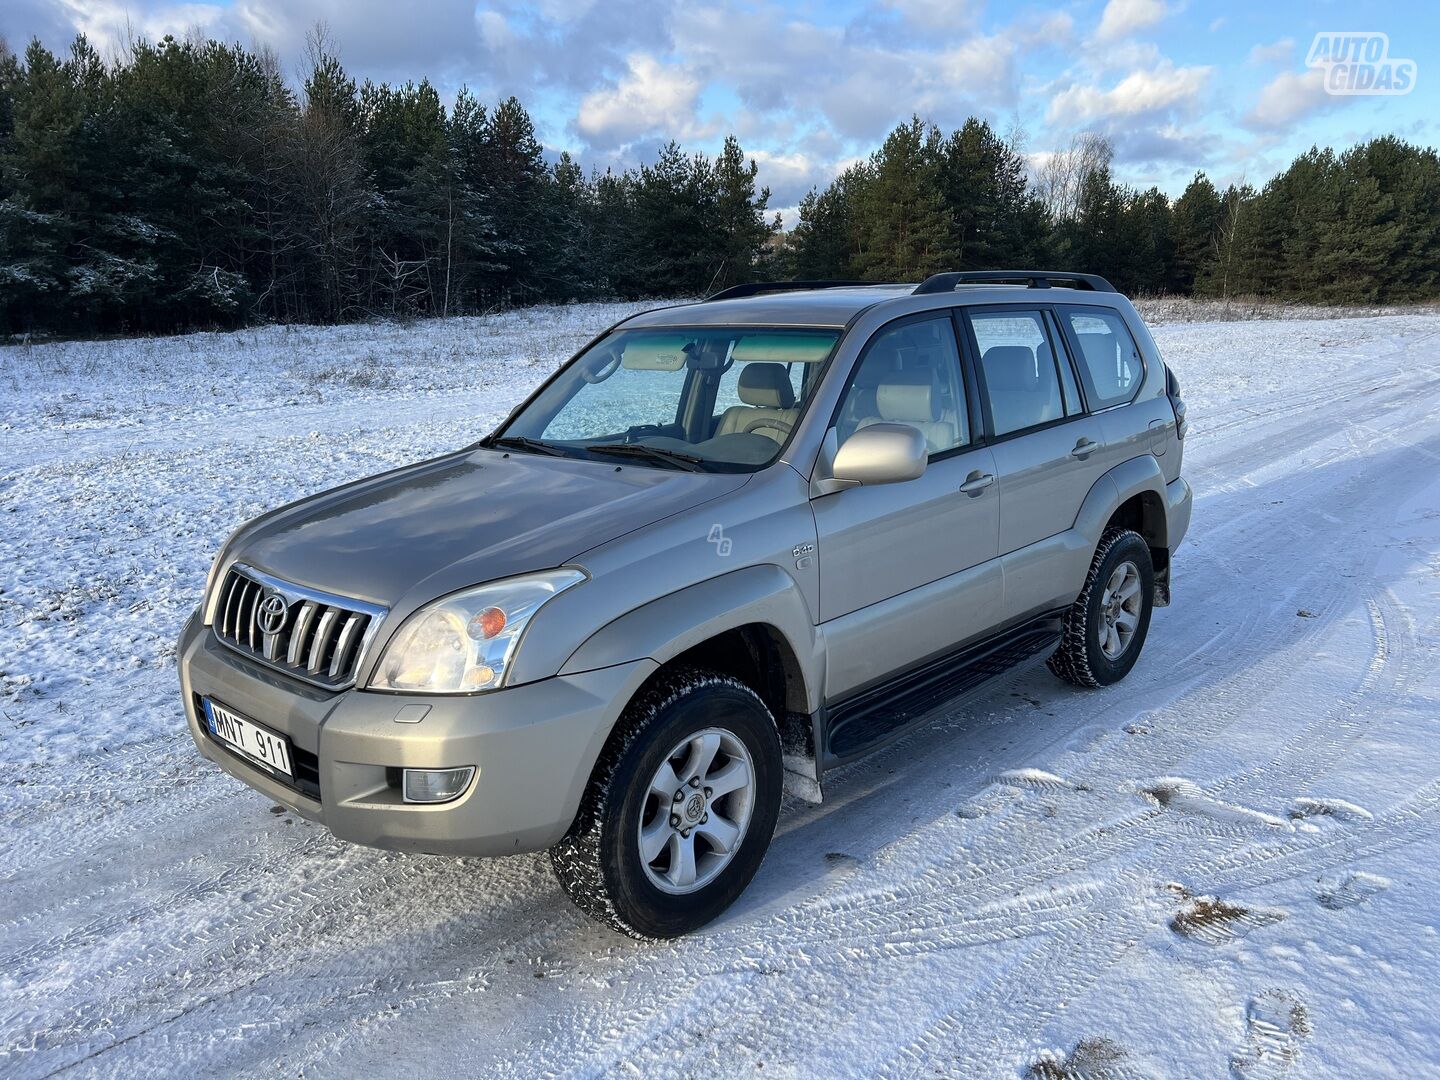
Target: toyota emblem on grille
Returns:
[[271, 613]]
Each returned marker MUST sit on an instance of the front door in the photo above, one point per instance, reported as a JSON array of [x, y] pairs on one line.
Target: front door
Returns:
[[907, 570]]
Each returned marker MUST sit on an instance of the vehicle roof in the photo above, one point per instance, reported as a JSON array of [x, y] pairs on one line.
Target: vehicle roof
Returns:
[[836, 307]]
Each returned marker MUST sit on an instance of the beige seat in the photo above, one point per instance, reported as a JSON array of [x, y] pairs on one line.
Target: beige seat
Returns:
[[1019, 396], [914, 398], [769, 408]]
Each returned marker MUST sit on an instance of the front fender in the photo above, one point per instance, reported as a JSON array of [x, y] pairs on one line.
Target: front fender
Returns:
[[665, 628]]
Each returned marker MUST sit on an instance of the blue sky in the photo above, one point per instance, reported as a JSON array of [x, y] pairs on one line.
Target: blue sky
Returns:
[[810, 86]]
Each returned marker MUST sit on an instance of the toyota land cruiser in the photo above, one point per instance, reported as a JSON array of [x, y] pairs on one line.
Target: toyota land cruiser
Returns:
[[725, 548]]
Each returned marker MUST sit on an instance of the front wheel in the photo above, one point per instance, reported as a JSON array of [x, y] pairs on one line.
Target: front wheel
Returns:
[[680, 810], [1105, 627]]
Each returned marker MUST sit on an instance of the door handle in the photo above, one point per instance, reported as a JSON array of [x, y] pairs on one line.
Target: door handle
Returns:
[[976, 483], [1084, 448]]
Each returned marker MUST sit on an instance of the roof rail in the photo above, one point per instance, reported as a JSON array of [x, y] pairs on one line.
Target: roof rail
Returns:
[[757, 288], [1033, 279]]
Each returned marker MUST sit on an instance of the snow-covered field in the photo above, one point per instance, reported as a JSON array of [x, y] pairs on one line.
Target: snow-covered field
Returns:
[[1227, 865]]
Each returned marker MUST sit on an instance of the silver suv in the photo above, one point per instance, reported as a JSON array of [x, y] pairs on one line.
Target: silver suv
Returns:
[[726, 548]]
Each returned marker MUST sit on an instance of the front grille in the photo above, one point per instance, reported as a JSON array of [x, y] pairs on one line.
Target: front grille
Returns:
[[313, 636]]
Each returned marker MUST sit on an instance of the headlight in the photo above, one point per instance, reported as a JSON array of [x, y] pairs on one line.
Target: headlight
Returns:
[[464, 642]]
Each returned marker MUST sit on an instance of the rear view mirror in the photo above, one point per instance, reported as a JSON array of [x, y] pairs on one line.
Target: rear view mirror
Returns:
[[877, 454]]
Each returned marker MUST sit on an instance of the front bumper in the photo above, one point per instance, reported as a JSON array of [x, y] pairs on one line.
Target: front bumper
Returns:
[[533, 747]]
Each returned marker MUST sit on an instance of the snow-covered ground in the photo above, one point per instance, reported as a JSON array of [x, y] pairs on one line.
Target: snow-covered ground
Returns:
[[1227, 865]]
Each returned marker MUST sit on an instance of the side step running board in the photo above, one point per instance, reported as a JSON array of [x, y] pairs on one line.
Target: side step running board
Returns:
[[862, 724]]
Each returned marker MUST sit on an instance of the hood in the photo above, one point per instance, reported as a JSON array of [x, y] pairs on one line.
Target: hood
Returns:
[[464, 519]]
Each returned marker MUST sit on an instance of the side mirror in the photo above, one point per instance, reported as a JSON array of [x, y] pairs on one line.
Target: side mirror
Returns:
[[878, 454]]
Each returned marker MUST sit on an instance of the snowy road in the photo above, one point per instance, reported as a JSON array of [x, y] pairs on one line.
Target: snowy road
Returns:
[[1226, 865]]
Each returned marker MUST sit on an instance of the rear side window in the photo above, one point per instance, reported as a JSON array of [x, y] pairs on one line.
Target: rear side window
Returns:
[[1109, 361], [1017, 364]]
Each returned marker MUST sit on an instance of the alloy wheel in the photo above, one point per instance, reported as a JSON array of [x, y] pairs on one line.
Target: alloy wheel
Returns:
[[697, 809], [1121, 605]]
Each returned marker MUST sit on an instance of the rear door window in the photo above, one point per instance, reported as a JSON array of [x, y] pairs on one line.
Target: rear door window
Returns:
[[1110, 364], [1017, 367]]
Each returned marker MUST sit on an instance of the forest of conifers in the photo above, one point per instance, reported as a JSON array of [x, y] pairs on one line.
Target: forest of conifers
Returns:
[[188, 184]]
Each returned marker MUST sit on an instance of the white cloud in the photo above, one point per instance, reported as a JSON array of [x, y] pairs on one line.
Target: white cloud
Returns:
[[651, 97], [1055, 28], [494, 30], [1278, 52], [1290, 96], [1124, 17], [110, 24], [1128, 55], [790, 175], [852, 81], [978, 61], [937, 14], [1162, 89]]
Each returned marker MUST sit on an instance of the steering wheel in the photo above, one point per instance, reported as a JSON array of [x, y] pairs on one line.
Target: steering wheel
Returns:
[[639, 431], [782, 426]]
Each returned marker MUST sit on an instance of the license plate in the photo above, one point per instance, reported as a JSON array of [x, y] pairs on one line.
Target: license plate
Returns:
[[255, 742]]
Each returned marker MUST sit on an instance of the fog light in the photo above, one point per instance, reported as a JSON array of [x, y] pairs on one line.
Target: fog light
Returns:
[[436, 785]]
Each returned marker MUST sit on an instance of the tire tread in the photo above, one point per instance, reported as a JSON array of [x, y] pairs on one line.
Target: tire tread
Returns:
[[1071, 659], [578, 859]]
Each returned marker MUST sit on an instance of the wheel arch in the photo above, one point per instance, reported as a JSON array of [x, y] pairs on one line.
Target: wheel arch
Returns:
[[752, 624], [1133, 496], [665, 628]]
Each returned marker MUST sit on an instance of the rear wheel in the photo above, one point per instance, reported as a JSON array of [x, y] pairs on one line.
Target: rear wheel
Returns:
[[1106, 626], [680, 810]]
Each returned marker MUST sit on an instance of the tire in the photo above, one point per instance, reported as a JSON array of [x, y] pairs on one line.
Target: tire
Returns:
[[1087, 653], [601, 863]]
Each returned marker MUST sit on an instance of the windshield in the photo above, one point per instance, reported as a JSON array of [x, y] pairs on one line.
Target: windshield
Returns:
[[712, 399]]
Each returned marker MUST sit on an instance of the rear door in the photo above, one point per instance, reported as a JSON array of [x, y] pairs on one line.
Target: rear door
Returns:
[[1048, 450], [907, 570], [1112, 369]]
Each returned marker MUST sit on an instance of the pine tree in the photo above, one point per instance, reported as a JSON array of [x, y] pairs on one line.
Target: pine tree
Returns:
[[982, 183], [1371, 231], [1095, 240], [904, 225], [1238, 243], [331, 196], [1148, 242], [743, 231], [184, 184], [821, 243], [1410, 176], [516, 180], [1196, 217], [614, 226], [674, 245], [407, 161]]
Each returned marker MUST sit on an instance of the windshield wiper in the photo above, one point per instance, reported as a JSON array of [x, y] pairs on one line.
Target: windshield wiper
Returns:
[[521, 442], [655, 453]]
